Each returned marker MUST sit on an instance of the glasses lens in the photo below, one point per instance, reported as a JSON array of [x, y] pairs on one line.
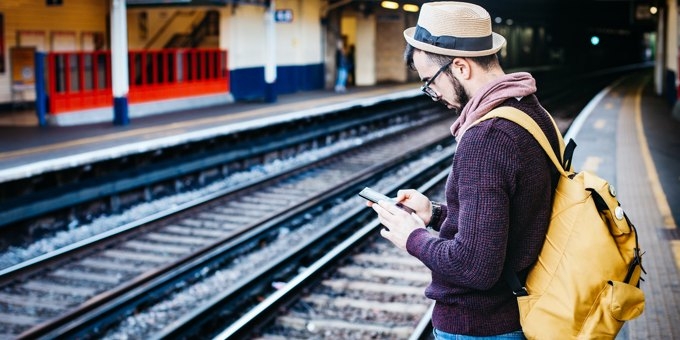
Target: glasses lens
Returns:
[[426, 87], [428, 91]]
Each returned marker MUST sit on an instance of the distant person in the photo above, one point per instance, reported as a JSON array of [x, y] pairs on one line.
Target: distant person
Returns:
[[342, 66], [351, 77], [499, 190]]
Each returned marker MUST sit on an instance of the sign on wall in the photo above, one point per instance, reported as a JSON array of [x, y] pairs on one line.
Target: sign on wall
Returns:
[[283, 15], [23, 65]]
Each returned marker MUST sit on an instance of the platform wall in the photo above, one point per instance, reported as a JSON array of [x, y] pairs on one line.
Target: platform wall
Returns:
[[75, 24], [298, 48], [379, 42]]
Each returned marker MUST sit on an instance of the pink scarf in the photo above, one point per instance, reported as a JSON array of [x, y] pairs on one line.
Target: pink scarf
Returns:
[[517, 84]]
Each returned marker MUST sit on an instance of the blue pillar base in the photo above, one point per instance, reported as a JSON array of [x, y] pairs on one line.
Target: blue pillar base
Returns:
[[40, 95], [120, 111], [270, 92]]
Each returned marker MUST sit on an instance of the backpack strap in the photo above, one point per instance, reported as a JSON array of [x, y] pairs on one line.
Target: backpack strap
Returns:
[[522, 119], [513, 281]]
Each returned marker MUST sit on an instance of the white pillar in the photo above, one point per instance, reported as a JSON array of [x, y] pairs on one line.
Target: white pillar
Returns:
[[270, 62], [119, 62], [659, 58], [365, 53]]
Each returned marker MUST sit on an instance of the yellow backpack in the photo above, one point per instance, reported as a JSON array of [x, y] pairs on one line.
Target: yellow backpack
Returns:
[[585, 284]]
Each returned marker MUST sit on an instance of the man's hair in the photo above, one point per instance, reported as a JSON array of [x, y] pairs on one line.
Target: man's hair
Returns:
[[485, 62]]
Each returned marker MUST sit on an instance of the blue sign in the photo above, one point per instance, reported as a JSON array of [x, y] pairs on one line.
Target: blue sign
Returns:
[[283, 15]]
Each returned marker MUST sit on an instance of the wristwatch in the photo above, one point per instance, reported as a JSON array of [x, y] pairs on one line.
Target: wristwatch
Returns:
[[436, 215]]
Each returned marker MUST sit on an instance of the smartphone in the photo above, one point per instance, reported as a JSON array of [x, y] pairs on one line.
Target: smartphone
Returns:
[[375, 196]]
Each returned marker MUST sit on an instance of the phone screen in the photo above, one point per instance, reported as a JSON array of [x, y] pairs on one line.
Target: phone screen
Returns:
[[375, 196]]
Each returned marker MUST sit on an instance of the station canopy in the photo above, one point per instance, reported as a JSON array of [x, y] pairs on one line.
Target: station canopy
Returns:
[[197, 2]]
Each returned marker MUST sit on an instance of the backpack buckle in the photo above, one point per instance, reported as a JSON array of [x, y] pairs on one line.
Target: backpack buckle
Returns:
[[520, 292]]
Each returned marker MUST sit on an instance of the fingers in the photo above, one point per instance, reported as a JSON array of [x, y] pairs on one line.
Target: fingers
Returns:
[[390, 207], [384, 215], [404, 194]]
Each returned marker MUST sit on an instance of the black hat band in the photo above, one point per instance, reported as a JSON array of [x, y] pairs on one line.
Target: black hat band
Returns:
[[454, 43]]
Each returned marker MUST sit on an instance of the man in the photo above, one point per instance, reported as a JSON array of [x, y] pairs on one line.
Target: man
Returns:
[[499, 191]]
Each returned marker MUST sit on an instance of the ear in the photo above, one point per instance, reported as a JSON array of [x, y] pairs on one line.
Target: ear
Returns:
[[462, 68]]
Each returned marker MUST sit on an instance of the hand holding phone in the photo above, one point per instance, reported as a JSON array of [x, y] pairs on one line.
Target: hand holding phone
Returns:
[[375, 196]]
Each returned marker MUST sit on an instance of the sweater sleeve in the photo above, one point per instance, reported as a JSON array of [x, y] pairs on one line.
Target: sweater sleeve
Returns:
[[470, 249]]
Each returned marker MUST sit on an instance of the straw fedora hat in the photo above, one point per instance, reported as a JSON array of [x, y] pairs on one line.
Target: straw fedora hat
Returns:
[[456, 29]]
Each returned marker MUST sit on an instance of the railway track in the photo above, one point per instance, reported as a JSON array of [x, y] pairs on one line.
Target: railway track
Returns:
[[364, 288], [375, 293], [80, 194], [247, 160], [344, 224], [48, 295]]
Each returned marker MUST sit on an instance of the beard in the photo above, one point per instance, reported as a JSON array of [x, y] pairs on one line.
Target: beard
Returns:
[[460, 93]]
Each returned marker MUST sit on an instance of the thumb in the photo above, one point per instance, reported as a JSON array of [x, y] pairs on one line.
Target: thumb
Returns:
[[383, 232]]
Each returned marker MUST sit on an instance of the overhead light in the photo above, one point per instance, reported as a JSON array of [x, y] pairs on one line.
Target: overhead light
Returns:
[[389, 4], [653, 10], [594, 40], [410, 8]]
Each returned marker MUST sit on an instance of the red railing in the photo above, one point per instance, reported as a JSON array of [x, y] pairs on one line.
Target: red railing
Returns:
[[82, 80]]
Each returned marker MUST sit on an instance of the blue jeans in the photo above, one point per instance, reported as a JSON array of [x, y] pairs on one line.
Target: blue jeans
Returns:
[[341, 81], [439, 335]]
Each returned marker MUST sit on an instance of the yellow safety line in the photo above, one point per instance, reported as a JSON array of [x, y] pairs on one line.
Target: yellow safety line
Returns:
[[183, 125], [659, 195], [675, 247], [592, 164]]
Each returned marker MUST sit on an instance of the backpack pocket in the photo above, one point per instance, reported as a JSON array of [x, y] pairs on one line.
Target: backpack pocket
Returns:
[[535, 326], [526, 303], [627, 301], [618, 302]]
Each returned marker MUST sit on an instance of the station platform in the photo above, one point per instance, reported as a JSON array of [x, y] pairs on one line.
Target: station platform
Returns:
[[626, 134], [31, 150]]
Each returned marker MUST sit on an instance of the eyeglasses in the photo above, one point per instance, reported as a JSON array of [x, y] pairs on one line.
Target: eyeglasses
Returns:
[[426, 87]]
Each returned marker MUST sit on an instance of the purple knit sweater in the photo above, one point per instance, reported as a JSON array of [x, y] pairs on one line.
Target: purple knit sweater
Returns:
[[497, 210]]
